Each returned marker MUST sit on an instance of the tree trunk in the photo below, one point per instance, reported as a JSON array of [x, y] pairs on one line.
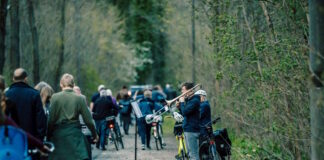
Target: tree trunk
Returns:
[[14, 55], [252, 38], [77, 16], [3, 16], [316, 37], [33, 29], [61, 52], [193, 47], [268, 19]]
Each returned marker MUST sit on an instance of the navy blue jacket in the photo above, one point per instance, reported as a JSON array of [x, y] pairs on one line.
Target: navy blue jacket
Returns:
[[29, 109], [191, 114], [205, 116], [146, 106]]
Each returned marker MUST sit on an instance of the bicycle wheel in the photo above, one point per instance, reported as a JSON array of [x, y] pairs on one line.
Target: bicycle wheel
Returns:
[[159, 136], [119, 138], [114, 140], [183, 155], [156, 143], [213, 154], [204, 150]]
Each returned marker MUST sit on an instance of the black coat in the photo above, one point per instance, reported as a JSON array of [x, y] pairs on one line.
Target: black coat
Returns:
[[103, 107], [27, 109]]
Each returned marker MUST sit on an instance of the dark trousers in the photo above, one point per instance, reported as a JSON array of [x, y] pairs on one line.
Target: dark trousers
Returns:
[[126, 121], [144, 131]]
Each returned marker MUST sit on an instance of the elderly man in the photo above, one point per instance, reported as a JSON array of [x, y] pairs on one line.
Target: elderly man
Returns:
[[64, 126], [96, 95], [26, 107]]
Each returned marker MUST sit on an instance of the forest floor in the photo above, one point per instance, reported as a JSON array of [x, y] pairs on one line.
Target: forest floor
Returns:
[[169, 151]]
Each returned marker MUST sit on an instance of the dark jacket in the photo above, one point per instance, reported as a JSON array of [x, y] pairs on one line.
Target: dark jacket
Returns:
[[191, 114], [125, 103], [94, 97], [205, 116], [29, 109], [146, 106], [103, 107], [159, 100]]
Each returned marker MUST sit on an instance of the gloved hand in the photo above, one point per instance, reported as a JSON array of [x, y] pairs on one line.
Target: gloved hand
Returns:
[[178, 117]]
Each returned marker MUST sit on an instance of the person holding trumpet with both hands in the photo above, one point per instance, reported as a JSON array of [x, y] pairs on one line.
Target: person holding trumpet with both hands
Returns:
[[188, 103]]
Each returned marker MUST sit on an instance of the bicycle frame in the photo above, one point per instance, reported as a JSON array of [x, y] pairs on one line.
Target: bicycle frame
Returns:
[[182, 149]]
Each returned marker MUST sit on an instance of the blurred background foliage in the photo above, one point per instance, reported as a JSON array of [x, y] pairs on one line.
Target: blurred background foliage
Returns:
[[251, 58]]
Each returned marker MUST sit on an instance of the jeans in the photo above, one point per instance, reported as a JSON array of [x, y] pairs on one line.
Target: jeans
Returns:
[[192, 144], [101, 126], [144, 131]]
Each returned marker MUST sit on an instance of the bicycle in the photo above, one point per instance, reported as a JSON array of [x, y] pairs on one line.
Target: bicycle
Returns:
[[182, 150], [214, 146], [112, 134], [157, 132]]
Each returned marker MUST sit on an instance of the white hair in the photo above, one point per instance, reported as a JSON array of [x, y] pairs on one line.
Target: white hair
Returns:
[[109, 93]]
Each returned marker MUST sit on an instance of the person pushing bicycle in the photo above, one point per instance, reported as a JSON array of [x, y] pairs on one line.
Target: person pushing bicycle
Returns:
[[146, 106]]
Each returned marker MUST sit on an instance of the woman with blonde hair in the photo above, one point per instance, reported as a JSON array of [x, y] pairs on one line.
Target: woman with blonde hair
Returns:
[[46, 93]]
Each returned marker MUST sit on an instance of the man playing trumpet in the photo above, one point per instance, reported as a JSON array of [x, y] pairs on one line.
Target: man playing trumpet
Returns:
[[189, 105]]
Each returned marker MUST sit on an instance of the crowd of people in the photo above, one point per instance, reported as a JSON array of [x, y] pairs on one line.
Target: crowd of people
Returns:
[[47, 116]]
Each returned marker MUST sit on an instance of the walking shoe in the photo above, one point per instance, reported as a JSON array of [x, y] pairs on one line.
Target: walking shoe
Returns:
[[149, 147], [143, 147], [103, 149], [164, 144]]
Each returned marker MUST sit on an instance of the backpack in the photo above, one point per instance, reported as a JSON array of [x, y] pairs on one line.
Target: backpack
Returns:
[[13, 144], [223, 143], [126, 109]]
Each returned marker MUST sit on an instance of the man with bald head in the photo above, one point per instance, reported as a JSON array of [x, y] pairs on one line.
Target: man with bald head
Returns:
[[28, 112]]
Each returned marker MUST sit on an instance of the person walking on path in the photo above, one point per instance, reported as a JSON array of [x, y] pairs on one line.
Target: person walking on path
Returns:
[[103, 107], [26, 107], [125, 111], [33, 142], [64, 126], [46, 92], [146, 106]]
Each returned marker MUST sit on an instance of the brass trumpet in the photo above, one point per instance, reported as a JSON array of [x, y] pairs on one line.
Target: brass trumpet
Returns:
[[184, 94]]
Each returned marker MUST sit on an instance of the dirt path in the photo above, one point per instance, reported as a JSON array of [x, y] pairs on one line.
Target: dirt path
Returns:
[[167, 153]]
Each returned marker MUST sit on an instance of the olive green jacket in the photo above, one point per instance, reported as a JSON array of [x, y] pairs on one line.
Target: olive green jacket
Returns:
[[64, 126]]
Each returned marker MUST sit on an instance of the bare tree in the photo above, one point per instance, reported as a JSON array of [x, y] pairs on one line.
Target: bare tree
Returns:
[[3, 15], [61, 52], [316, 38], [31, 20], [193, 45], [14, 55]]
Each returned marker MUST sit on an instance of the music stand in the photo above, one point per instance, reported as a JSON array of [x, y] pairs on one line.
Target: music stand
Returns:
[[138, 114]]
